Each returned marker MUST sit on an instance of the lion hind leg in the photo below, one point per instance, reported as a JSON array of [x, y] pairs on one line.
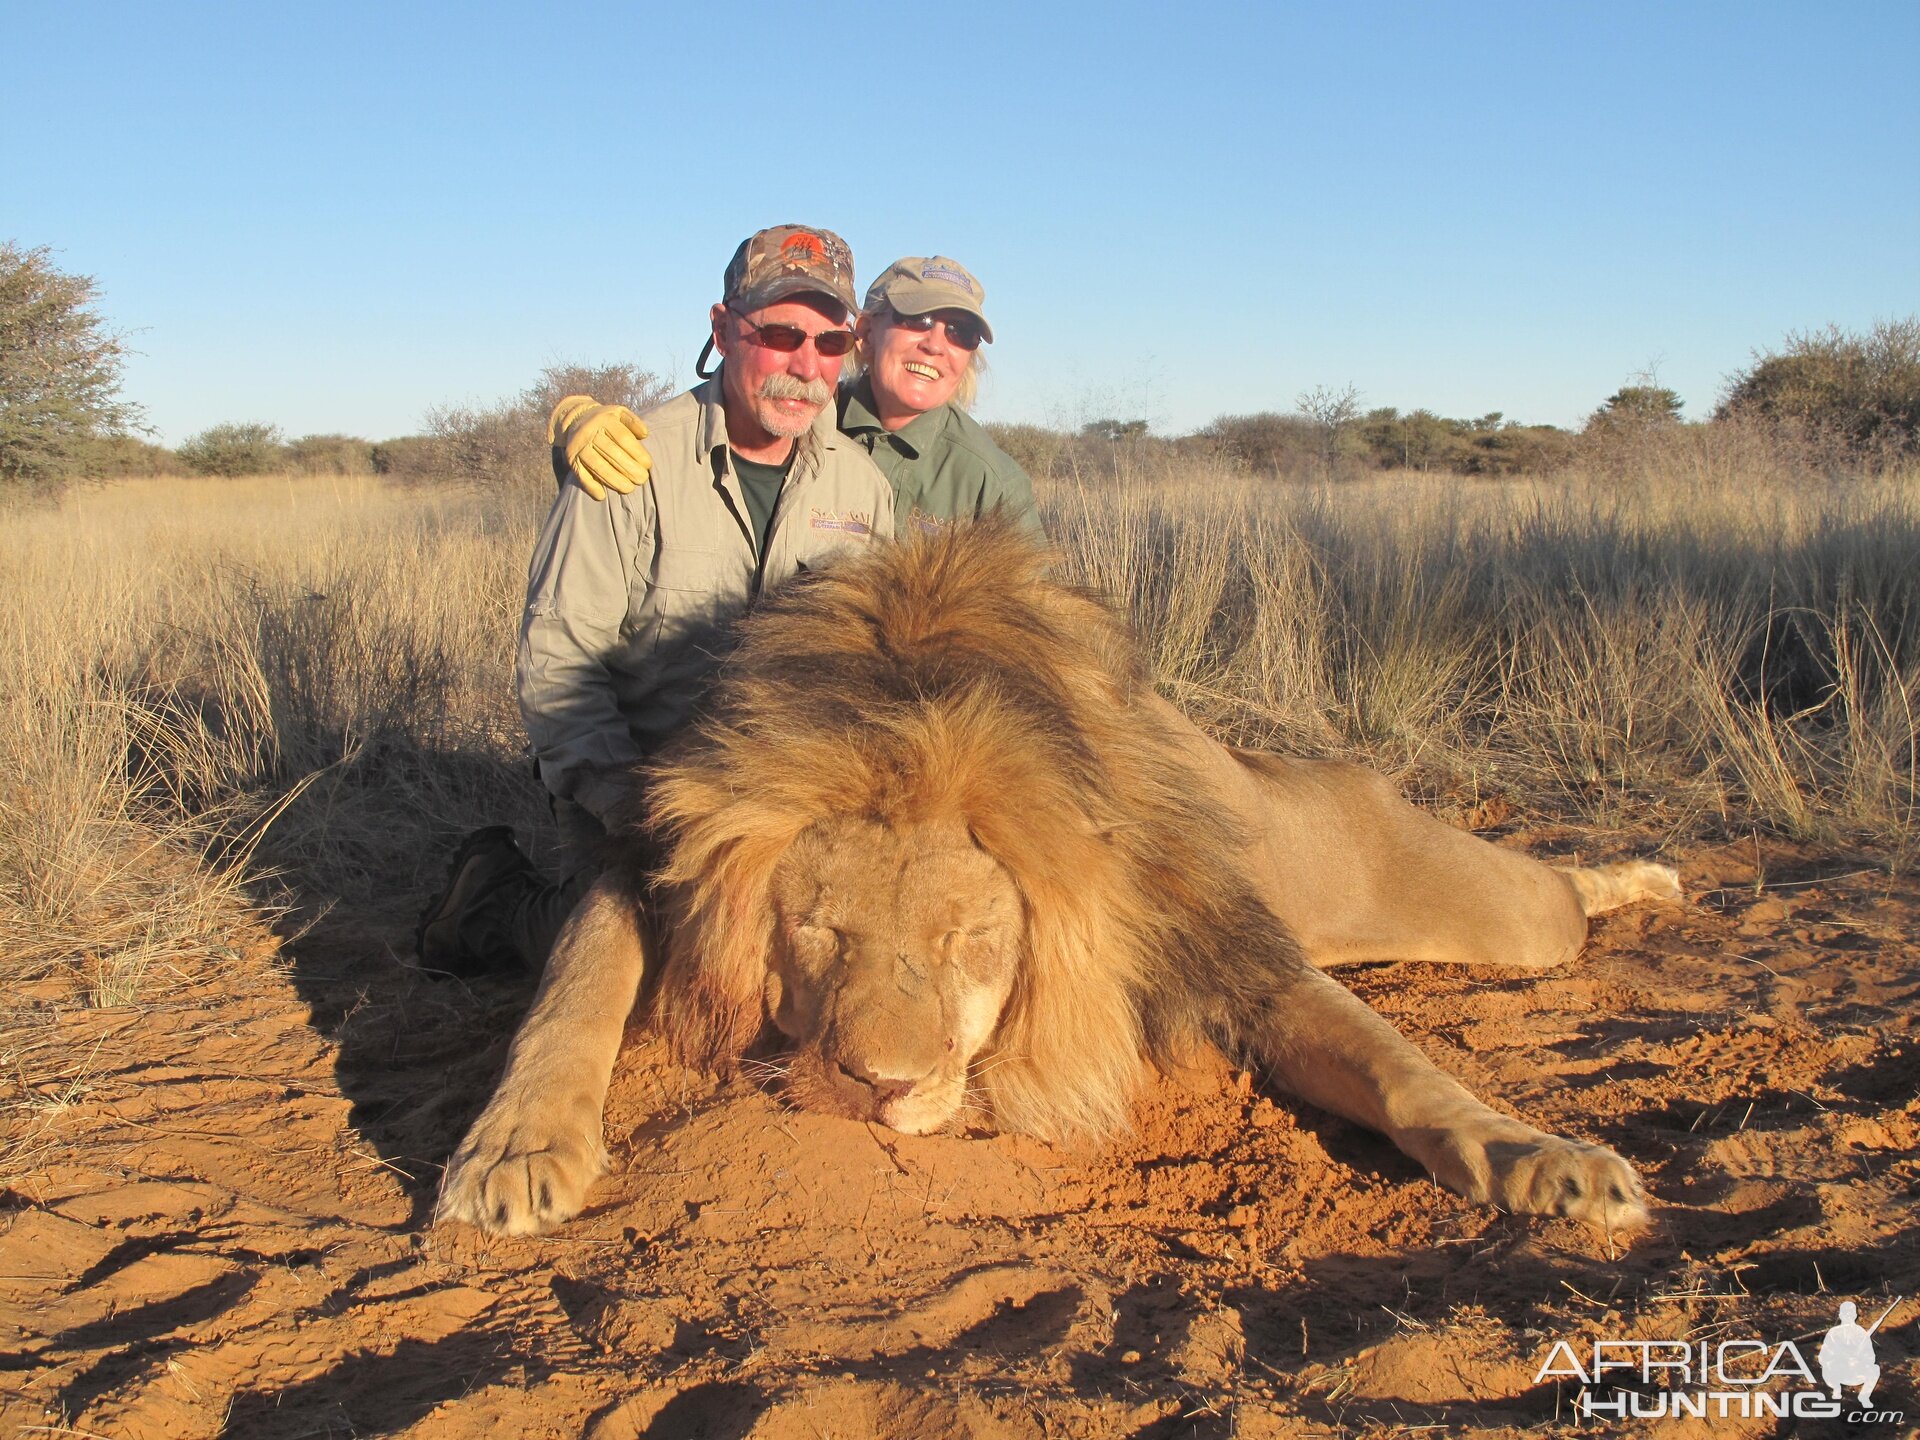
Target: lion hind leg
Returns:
[[1608, 887]]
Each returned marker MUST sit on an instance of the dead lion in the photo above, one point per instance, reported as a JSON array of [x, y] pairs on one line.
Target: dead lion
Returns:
[[938, 830]]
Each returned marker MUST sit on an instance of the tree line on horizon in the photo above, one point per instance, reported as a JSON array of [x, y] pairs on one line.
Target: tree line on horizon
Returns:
[[1843, 401]]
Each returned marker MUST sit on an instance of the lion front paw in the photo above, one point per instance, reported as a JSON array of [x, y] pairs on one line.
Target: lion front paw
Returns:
[[516, 1174], [1547, 1175], [1497, 1160]]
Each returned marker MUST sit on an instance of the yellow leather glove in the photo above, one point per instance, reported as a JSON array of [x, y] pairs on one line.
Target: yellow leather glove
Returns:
[[598, 446]]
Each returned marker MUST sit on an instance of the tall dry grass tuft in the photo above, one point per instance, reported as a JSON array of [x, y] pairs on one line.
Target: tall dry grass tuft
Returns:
[[1669, 652], [223, 697]]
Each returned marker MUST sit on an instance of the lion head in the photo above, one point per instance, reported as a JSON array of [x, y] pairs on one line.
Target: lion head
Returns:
[[895, 951], [928, 832]]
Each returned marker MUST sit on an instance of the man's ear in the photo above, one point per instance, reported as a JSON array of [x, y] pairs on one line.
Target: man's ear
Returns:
[[861, 327], [717, 318]]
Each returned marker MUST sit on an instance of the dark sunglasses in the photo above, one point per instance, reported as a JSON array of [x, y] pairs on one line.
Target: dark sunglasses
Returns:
[[787, 338], [962, 334]]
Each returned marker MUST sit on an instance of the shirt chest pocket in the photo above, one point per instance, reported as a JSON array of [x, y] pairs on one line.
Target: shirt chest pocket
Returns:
[[692, 587]]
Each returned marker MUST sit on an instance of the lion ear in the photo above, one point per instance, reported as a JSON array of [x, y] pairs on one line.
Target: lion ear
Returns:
[[712, 1002]]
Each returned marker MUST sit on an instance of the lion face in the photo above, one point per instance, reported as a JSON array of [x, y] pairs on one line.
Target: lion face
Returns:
[[895, 951]]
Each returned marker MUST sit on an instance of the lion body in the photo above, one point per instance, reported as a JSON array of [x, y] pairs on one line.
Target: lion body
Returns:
[[938, 830]]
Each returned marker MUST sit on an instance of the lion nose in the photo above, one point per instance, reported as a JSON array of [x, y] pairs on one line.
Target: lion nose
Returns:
[[885, 1088]]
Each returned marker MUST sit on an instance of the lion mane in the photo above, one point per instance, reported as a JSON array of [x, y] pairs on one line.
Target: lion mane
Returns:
[[951, 678]]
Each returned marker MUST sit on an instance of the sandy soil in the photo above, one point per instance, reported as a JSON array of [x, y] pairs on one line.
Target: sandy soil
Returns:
[[222, 1228]]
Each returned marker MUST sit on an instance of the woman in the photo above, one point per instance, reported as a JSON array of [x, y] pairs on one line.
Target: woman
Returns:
[[921, 327]]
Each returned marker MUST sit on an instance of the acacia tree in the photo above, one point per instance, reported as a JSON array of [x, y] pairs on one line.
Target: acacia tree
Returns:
[[1332, 413], [60, 370], [1644, 404]]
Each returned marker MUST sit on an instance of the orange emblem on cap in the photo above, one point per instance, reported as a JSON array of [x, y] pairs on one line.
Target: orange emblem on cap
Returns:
[[803, 249]]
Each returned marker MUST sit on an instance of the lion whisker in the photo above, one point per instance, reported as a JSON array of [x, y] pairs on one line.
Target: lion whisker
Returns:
[[766, 1069], [985, 1067]]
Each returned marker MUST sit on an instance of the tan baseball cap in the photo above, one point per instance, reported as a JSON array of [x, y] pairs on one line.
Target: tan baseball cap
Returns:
[[915, 286], [787, 260]]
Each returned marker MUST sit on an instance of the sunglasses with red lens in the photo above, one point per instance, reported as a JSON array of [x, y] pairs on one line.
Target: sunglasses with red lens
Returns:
[[831, 344], [963, 333]]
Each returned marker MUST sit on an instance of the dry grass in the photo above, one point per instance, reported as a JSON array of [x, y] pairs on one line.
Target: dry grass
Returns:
[[220, 696], [1675, 655]]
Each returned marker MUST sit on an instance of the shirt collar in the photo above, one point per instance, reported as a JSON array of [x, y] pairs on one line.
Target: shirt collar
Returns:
[[858, 414], [712, 432]]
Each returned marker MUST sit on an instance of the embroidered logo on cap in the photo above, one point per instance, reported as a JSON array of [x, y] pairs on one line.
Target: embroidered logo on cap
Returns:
[[803, 249], [951, 274]]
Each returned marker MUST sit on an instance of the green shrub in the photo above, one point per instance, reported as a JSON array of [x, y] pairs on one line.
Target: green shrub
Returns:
[[409, 458], [229, 450], [506, 443], [1641, 405], [1266, 443], [1035, 448], [330, 455], [1857, 396], [1518, 450], [1417, 440], [117, 457]]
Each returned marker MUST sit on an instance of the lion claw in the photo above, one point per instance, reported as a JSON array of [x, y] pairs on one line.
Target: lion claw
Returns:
[[513, 1178]]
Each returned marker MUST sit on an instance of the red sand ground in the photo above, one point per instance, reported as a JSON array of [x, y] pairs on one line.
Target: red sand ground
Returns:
[[226, 1234]]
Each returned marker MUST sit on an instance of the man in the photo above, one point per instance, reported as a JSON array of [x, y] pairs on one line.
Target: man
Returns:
[[628, 601], [920, 329]]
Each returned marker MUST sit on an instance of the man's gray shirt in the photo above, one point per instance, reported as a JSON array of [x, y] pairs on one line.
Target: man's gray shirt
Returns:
[[628, 601]]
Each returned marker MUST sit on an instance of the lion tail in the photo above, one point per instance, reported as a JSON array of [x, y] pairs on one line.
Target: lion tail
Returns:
[[1608, 887]]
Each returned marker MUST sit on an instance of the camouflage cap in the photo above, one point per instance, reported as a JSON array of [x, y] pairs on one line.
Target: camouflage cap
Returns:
[[915, 286], [786, 260]]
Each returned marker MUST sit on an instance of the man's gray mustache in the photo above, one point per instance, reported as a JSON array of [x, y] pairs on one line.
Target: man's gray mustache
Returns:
[[792, 387]]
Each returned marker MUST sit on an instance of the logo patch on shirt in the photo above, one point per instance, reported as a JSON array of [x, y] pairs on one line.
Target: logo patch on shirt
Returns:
[[854, 522], [948, 274]]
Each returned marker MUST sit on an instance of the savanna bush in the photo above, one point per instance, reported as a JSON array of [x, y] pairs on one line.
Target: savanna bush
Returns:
[[237, 449], [118, 457], [506, 443], [60, 371], [1035, 448], [1267, 443], [1855, 397], [409, 458], [1417, 440], [330, 455], [1517, 450]]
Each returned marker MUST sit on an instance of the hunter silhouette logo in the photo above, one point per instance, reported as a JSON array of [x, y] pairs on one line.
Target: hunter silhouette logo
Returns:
[[1846, 1355], [1724, 1379]]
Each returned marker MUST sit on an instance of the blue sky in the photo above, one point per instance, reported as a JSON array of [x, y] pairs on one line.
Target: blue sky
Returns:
[[334, 216]]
